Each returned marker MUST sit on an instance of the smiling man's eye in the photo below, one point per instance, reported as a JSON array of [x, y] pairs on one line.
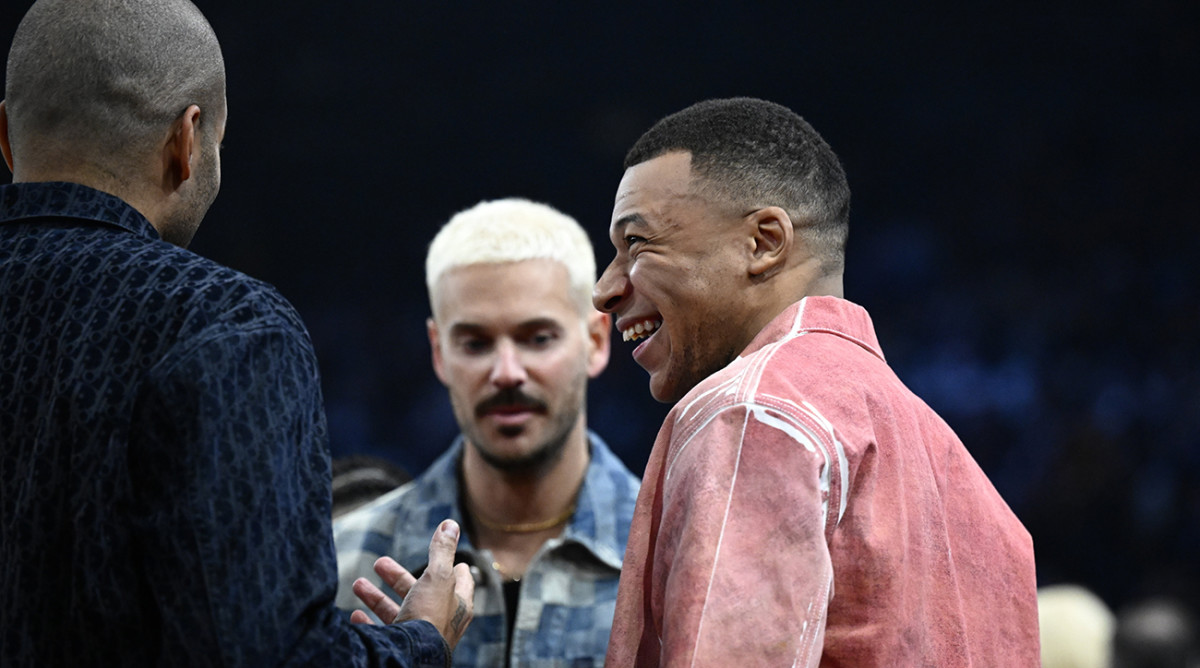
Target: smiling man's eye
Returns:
[[631, 239]]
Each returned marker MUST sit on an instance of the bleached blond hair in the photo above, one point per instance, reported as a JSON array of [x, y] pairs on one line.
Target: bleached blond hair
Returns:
[[512, 230]]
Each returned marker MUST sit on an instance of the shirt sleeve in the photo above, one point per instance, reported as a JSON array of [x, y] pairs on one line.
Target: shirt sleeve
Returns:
[[742, 561], [230, 464]]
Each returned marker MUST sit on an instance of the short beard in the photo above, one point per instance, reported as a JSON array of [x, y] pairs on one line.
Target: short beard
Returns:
[[532, 464], [546, 455]]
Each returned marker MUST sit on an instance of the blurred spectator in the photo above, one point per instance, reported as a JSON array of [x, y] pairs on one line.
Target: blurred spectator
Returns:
[[1076, 628], [359, 479], [1156, 633]]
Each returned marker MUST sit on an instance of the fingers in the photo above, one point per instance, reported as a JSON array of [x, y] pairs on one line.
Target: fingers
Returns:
[[464, 585], [443, 594], [441, 568], [360, 617], [464, 592], [374, 598], [396, 576], [442, 548]]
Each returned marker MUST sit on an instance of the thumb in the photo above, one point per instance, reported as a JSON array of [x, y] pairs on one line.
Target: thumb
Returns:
[[442, 548]]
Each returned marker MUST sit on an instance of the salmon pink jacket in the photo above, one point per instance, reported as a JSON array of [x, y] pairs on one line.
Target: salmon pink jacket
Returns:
[[802, 507]]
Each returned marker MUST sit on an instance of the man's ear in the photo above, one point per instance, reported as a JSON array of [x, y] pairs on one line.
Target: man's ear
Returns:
[[179, 149], [5, 146], [435, 348], [599, 329], [772, 237]]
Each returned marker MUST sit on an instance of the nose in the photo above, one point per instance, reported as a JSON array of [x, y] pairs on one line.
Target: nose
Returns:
[[612, 288], [507, 369]]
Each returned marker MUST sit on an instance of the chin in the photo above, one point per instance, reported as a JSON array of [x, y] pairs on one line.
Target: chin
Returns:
[[522, 462], [669, 388], [663, 393]]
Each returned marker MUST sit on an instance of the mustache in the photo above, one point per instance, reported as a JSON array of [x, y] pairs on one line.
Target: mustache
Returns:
[[509, 398]]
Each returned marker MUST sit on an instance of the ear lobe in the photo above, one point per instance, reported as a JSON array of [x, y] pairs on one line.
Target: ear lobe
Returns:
[[773, 236], [5, 146]]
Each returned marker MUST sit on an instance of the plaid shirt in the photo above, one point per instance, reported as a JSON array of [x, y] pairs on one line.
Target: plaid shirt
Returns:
[[568, 594]]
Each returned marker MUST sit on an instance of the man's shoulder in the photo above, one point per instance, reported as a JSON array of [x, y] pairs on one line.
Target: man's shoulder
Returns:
[[200, 284], [186, 298], [195, 303], [609, 476], [779, 376], [378, 515], [111, 264], [132, 286], [608, 463], [802, 361]]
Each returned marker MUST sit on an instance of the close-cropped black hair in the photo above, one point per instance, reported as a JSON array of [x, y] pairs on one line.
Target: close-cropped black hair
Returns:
[[759, 153]]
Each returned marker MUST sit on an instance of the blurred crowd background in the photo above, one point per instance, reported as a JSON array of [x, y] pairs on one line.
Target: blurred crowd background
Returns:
[[1025, 227]]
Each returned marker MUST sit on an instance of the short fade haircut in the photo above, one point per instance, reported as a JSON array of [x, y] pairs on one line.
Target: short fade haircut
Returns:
[[104, 79], [752, 152], [512, 230]]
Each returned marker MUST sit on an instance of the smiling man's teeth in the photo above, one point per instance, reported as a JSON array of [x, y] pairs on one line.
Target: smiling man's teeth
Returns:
[[640, 330]]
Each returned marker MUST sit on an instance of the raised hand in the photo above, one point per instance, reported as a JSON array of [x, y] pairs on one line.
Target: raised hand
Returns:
[[443, 595]]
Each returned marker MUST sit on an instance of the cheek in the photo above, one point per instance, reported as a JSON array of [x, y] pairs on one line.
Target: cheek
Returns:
[[560, 369], [690, 284], [666, 291], [463, 377], [558, 372], [648, 274]]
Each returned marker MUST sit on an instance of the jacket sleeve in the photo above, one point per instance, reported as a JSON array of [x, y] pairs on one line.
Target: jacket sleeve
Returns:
[[742, 563], [231, 467]]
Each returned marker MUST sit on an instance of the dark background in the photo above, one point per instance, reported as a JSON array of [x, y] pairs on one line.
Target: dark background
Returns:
[[1025, 225]]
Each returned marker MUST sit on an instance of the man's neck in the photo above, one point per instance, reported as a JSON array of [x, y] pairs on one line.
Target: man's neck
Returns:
[[513, 514], [97, 178]]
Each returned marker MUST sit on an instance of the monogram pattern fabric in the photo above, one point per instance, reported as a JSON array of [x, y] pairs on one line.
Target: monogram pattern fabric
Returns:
[[164, 468]]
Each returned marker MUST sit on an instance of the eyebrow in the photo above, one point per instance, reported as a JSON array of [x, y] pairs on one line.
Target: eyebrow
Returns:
[[464, 329], [469, 328], [627, 220]]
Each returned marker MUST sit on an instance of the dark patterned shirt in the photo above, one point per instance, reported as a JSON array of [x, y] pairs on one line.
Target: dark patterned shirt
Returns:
[[164, 469]]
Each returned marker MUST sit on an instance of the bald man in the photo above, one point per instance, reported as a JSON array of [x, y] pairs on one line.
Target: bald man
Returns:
[[164, 470]]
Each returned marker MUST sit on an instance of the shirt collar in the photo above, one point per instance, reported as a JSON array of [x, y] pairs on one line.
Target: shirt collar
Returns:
[[600, 523], [22, 202], [829, 315]]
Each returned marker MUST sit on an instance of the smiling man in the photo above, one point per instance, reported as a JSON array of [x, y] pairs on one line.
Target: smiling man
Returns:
[[545, 504], [800, 506]]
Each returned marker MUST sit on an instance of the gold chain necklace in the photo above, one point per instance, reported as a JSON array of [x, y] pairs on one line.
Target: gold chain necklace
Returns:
[[504, 576], [529, 527]]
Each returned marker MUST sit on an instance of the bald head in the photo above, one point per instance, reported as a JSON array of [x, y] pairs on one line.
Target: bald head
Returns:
[[98, 83]]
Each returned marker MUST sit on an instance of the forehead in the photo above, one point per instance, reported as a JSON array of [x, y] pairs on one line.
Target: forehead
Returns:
[[648, 190], [503, 294]]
